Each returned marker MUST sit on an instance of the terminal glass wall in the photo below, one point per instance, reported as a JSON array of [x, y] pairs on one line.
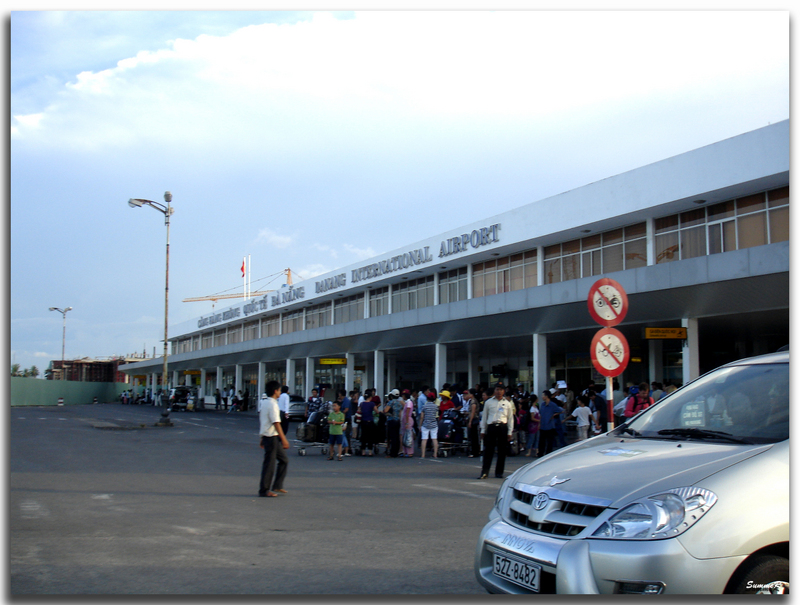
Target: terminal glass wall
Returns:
[[754, 220]]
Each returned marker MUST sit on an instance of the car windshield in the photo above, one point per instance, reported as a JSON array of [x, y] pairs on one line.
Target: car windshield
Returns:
[[738, 404]]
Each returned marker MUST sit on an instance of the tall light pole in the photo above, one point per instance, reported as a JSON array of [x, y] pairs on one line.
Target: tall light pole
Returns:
[[63, 338], [167, 212]]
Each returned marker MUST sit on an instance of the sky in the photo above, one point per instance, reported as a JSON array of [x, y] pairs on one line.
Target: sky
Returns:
[[314, 140]]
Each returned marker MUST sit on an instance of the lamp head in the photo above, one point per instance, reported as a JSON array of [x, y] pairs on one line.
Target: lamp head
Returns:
[[67, 309], [53, 309], [133, 203], [167, 197]]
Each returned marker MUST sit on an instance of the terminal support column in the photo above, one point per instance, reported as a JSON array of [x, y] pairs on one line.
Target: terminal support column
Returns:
[[262, 374], [174, 379], [473, 376], [540, 365], [201, 391], [656, 358], [379, 358], [439, 366], [349, 372], [691, 350], [391, 371], [291, 375], [309, 376], [238, 379]]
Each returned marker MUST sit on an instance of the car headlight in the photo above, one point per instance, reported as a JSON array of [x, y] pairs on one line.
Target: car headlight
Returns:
[[663, 515]]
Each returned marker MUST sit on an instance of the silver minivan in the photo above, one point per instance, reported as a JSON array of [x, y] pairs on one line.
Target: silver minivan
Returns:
[[691, 496]]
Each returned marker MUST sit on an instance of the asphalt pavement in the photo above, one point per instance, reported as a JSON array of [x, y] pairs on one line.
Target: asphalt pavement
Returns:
[[103, 502]]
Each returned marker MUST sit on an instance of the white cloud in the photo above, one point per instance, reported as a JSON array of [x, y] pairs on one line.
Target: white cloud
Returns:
[[273, 239], [313, 270], [359, 253], [291, 88]]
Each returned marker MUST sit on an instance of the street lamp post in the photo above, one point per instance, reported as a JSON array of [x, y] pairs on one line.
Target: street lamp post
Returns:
[[167, 212], [63, 337]]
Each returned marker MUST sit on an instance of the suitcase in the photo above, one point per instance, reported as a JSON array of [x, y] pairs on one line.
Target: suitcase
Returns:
[[307, 432]]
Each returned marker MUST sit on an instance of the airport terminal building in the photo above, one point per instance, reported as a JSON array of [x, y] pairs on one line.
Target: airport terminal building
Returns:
[[698, 241]]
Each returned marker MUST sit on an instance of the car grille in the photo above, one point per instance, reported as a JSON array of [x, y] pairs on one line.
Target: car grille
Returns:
[[565, 515]]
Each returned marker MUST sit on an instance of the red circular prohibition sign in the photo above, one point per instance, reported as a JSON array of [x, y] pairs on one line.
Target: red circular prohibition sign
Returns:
[[608, 302], [610, 352]]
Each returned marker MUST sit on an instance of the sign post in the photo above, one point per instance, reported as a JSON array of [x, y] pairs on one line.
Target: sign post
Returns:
[[608, 305]]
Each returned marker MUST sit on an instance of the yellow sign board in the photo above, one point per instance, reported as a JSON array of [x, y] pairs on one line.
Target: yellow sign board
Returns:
[[664, 333], [191, 372], [333, 361]]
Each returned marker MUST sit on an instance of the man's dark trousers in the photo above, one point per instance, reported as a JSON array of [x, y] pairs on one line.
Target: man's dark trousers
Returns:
[[496, 438], [284, 423], [273, 452]]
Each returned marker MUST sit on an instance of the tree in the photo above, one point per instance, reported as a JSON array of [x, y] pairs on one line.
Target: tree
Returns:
[[34, 372], [15, 370]]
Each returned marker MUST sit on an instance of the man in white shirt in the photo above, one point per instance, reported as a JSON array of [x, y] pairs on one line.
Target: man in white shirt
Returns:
[[497, 429], [283, 406], [273, 442]]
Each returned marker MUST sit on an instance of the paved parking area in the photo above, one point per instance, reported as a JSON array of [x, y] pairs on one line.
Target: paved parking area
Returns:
[[102, 502]]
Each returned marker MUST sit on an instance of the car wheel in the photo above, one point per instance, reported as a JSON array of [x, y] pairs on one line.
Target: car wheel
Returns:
[[763, 574]]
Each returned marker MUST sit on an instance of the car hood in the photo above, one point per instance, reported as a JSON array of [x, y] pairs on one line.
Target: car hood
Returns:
[[621, 469]]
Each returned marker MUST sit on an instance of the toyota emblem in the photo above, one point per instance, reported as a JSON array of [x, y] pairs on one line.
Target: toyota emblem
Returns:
[[540, 501]]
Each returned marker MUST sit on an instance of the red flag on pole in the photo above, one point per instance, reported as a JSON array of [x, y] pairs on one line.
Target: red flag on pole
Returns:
[[242, 267]]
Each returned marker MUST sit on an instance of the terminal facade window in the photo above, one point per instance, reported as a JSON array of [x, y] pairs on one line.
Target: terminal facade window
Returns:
[[616, 250], [753, 220], [412, 294], [292, 322], [348, 309], [505, 274], [234, 334], [219, 338], [208, 340], [453, 286], [251, 330], [318, 316], [271, 326], [379, 301]]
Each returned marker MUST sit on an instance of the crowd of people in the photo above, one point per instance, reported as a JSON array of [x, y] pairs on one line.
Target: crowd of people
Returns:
[[411, 420], [498, 421]]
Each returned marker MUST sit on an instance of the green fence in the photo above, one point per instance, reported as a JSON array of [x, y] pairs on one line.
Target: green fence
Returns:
[[33, 391]]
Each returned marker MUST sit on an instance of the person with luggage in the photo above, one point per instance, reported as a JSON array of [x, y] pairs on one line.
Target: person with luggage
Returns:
[[407, 425], [393, 409], [335, 430], [497, 430], [583, 414], [273, 442], [639, 400], [429, 424], [314, 403], [217, 399], [550, 413], [368, 415], [532, 439], [234, 403], [346, 407]]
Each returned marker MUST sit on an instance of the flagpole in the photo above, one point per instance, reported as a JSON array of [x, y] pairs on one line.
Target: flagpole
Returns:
[[249, 278], [244, 279]]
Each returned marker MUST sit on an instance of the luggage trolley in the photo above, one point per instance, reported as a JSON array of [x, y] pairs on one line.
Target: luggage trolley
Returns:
[[452, 434], [313, 433]]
